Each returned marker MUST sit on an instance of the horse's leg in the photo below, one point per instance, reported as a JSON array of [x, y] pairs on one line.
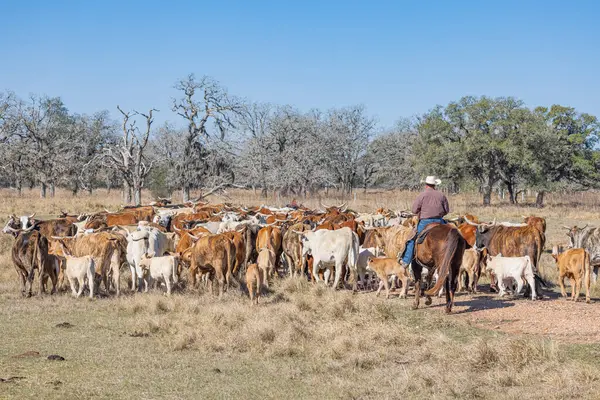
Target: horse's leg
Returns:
[[417, 272], [449, 296], [429, 279], [451, 284]]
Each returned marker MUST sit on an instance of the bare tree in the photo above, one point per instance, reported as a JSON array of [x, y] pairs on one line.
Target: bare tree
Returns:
[[127, 154], [47, 130], [347, 131], [207, 109]]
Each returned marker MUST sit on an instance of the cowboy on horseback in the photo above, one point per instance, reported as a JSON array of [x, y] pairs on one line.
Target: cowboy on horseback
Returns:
[[431, 206]]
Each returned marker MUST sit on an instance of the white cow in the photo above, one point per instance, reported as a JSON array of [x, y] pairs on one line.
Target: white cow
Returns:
[[331, 248], [147, 240], [164, 267], [508, 268], [137, 246]]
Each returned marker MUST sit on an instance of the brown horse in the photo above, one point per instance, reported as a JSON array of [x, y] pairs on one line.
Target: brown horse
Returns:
[[442, 250]]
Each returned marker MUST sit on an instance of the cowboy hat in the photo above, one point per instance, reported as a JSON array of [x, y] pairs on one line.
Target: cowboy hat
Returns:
[[432, 180]]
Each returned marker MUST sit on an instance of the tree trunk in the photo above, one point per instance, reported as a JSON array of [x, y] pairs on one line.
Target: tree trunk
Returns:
[[511, 192], [539, 199], [90, 190], [186, 193], [487, 195], [52, 189], [19, 185], [137, 196], [126, 193], [43, 190]]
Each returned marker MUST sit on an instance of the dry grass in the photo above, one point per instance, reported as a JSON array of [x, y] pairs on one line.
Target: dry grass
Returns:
[[301, 342]]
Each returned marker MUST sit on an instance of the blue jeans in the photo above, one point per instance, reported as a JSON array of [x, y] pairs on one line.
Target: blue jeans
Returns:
[[410, 245]]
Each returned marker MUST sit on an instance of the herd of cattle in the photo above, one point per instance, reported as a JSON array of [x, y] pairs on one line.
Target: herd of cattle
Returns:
[[226, 244]]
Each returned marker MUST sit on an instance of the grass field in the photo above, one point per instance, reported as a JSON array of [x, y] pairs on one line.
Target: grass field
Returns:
[[303, 341]]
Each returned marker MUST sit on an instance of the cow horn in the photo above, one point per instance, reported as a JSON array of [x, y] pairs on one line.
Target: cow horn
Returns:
[[586, 225], [567, 228], [31, 216], [470, 222], [11, 229]]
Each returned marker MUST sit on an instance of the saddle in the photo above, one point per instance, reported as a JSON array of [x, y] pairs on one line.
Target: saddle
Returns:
[[421, 237]]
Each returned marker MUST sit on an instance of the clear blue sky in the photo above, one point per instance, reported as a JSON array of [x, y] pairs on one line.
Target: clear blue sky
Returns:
[[398, 58]]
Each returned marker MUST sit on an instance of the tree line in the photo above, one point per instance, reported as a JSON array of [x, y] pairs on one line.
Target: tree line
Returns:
[[217, 140]]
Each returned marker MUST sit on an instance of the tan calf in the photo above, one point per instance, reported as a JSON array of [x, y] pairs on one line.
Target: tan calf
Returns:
[[575, 265], [266, 263], [254, 277], [385, 267], [470, 267]]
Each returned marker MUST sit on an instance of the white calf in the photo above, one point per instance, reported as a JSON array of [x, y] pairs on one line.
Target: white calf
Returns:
[[517, 268], [165, 268], [77, 269], [361, 265]]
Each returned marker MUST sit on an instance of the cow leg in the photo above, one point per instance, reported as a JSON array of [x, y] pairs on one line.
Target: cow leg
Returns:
[[380, 287], [561, 283], [315, 271], [519, 286], [338, 275], [41, 277], [417, 273], [386, 284], [90, 276], [576, 288], [81, 282], [133, 277], [326, 275], [501, 287], [531, 281], [116, 272], [168, 283], [404, 287], [266, 278], [23, 280], [72, 281], [290, 265], [221, 280]]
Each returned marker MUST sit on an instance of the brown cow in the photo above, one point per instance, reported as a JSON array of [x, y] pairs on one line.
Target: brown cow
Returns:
[[213, 254], [512, 241], [270, 236], [30, 252], [108, 250], [141, 213], [575, 265], [392, 239], [292, 248], [239, 242]]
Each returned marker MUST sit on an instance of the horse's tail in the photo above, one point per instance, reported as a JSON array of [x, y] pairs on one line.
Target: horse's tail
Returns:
[[444, 269]]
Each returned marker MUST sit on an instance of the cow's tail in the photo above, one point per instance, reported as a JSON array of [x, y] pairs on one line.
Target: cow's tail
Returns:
[[444, 269], [230, 264]]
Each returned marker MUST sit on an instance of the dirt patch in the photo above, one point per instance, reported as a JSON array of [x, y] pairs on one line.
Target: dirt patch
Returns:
[[555, 318]]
